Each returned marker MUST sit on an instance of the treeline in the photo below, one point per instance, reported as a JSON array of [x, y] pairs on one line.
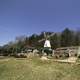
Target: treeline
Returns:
[[63, 39]]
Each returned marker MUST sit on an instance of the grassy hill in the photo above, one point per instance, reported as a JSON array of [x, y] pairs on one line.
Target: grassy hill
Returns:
[[35, 69]]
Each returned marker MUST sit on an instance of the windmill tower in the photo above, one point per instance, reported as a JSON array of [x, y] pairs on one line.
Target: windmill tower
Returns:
[[47, 46]]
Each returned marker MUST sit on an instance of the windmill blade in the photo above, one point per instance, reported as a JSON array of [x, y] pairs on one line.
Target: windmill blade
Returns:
[[41, 40], [45, 36], [50, 35]]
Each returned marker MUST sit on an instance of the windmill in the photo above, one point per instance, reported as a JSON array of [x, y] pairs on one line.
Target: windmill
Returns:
[[47, 46]]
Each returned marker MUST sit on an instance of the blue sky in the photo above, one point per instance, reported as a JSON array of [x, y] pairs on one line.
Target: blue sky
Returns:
[[25, 17]]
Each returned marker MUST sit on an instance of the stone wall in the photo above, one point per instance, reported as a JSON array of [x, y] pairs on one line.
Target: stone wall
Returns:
[[71, 51]]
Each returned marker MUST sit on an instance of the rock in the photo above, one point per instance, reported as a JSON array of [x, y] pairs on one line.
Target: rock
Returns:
[[44, 58]]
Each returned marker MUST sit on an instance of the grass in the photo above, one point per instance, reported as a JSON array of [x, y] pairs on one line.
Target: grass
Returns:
[[35, 69]]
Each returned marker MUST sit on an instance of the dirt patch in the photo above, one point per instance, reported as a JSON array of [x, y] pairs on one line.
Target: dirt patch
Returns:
[[68, 60]]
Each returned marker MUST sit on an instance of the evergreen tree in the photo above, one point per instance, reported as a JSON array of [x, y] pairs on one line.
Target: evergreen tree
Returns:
[[55, 41], [77, 38], [67, 38]]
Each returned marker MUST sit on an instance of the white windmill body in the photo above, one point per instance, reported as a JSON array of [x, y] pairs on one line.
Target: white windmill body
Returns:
[[47, 44]]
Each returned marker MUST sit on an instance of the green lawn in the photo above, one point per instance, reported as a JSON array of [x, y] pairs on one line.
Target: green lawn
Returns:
[[35, 69]]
